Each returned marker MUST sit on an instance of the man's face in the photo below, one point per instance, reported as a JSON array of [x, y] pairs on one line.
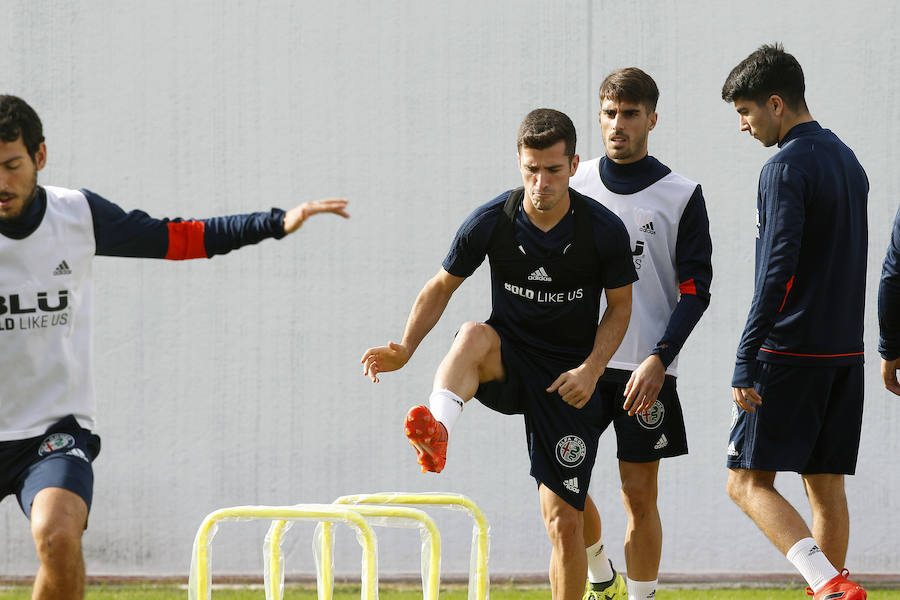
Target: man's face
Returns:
[[18, 177], [545, 174], [626, 127], [761, 120]]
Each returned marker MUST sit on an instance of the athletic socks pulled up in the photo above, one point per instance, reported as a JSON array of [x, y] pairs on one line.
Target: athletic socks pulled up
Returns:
[[446, 407], [599, 567], [641, 590], [808, 558]]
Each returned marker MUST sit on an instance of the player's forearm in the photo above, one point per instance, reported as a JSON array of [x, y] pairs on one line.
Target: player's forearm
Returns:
[[610, 333], [425, 313], [684, 318]]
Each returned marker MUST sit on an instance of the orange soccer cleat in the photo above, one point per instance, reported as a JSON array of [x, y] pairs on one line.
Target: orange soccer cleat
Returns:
[[428, 436], [839, 588]]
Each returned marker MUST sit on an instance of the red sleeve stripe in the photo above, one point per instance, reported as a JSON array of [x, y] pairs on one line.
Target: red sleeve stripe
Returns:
[[790, 284], [688, 287], [812, 355], [186, 240]]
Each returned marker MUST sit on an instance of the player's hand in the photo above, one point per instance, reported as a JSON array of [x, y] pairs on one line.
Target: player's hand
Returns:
[[295, 217], [746, 398], [889, 374], [383, 359], [644, 384], [576, 386]]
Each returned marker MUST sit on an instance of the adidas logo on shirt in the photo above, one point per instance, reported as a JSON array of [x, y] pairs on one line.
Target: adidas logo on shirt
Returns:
[[571, 485], [661, 443], [539, 275], [63, 269], [648, 228]]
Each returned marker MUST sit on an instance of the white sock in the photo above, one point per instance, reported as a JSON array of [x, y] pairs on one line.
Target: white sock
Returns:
[[808, 558], [599, 567], [446, 407], [641, 590]]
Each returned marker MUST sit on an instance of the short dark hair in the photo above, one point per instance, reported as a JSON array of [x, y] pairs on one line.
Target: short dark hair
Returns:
[[631, 85], [544, 127], [17, 118], [768, 71]]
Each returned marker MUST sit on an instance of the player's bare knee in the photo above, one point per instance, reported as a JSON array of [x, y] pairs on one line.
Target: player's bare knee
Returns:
[[57, 544], [639, 497], [740, 485], [565, 528], [476, 338]]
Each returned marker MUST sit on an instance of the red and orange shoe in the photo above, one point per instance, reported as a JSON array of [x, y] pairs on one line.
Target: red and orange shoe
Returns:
[[428, 436], [839, 588]]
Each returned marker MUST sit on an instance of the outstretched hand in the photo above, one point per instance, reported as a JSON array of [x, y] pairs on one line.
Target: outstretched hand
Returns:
[[383, 359], [295, 217]]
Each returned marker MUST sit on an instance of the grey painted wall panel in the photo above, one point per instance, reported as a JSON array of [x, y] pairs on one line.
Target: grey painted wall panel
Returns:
[[237, 381]]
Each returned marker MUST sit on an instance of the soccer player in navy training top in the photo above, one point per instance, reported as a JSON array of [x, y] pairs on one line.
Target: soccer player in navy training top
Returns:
[[48, 239], [798, 379], [553, 253], [665, 215], [889, 312]]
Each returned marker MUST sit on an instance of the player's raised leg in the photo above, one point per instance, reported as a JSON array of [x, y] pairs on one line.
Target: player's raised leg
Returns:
[[473, 358], [58, 519]]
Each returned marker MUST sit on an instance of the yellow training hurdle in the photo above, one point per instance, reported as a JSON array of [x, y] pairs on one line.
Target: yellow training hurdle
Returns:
[[275, 573], [481, 546], [201, 577]]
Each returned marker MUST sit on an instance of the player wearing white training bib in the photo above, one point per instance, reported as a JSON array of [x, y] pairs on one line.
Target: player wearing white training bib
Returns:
[[652, 216], [665, 216], [48, 239]]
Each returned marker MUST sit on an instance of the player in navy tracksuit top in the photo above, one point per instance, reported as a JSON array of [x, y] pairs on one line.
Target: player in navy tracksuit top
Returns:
[[889, 311], [798, 378], [48, 239], [552, 253]]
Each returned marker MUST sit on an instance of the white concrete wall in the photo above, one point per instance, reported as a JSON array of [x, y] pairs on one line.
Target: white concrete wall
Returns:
[[237, 381]]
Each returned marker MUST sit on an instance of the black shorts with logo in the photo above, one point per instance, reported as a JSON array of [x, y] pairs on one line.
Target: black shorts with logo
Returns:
[[60, 457], [809, 422], [651, 435], [562, 440]]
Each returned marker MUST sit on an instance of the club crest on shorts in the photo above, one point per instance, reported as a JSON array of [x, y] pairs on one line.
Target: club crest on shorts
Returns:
[[653, 416], [735, 414], [570, 451], [54, 442]]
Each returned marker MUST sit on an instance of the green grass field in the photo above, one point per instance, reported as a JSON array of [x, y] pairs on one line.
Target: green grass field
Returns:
[[498, 592]]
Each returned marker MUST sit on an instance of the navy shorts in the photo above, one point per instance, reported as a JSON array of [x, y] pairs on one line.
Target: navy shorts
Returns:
[[562, 440], [61, 457], [653, 434], [809, 422]]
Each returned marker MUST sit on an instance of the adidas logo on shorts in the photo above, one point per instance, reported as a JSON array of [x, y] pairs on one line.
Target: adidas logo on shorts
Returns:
[[661, 443], [571, 485]]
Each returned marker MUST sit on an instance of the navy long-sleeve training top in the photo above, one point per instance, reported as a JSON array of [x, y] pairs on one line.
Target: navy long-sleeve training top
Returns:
[[889, 298], [812, 236], [137, 234]]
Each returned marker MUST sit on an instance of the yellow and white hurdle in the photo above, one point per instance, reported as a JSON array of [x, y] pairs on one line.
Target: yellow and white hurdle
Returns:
[[354, 510]]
